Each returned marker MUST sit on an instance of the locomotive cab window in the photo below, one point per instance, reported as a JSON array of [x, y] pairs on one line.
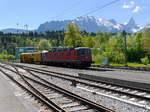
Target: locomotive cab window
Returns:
[[83, 52]]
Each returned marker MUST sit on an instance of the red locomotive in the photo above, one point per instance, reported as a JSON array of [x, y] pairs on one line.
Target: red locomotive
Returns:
[[76, 57]]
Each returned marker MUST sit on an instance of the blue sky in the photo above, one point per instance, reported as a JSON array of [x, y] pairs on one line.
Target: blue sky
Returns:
[[35, 12]]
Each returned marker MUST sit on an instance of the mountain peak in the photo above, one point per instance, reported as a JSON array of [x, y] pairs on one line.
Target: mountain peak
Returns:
[[132, 21], [113, 21], [92, 24], [85, 18]]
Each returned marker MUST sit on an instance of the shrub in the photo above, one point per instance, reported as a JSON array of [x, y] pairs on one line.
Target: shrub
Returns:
[[4, 57], [97, 59], [10, 57], [119, 58], [145, 60]]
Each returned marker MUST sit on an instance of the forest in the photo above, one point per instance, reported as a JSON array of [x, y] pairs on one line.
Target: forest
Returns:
[[106, 44]]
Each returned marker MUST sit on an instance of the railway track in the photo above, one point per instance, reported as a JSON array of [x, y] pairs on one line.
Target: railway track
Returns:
[[111, 68], [123, 67], [94, 68], [65, 100], [136, 95], [43, 100]]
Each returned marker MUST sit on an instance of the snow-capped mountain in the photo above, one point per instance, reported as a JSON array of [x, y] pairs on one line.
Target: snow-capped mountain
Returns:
[[14, 30], [92, 24], [87, 23], [131, 26], [147, 26]]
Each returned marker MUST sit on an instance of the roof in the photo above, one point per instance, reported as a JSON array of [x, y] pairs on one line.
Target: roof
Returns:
[[25, 53], [82, 48]]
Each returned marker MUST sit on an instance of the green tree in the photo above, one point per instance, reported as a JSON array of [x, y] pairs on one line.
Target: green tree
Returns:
[[114, 50], [73, 37], [29, 42], [54, 43], [100, 44], [135, 47], [146, 39], [3, 56], [4, 52], [101, 40], [88, 41], [43, 45]]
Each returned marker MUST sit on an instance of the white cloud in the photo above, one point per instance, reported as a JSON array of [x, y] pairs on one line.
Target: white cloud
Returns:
[[132, 2], [136, 9], [128, 5], [132, 6]]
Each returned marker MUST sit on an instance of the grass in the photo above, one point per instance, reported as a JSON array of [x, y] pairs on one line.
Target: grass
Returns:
[[138, 64], [129, 64]]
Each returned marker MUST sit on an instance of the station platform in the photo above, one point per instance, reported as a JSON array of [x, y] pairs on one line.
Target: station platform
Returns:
[[8, 101], [121, 77]]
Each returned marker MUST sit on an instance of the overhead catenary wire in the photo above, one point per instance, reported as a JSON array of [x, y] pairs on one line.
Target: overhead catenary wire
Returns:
[[101, 7], [70, 14], [93, 10], [90, 11], [71, 7]]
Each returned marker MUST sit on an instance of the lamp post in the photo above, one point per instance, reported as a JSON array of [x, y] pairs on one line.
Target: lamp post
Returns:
[[125, 46]]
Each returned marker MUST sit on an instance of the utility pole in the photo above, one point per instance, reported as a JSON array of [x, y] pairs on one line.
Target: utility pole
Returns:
[[125, 47], [26, 26], [17, 27]]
